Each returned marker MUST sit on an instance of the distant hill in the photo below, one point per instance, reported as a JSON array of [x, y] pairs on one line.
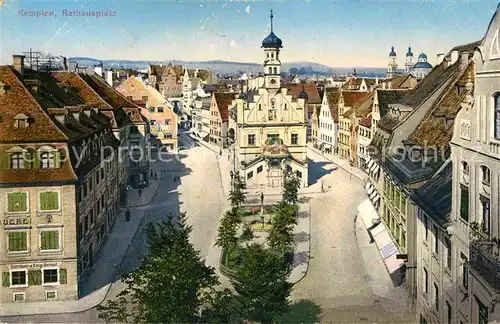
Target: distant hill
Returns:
[[228, 67]]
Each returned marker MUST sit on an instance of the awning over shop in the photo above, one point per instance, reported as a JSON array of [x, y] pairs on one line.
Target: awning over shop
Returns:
[[367, 185], [371, 189], [375, 170], [367, 213], [396, 268], [372, 168], [202, 134], [376, 199], [388, 251], [373, 194]]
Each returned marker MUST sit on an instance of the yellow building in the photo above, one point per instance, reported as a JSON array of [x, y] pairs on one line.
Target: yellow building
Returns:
[[270, 127], [158, 112]]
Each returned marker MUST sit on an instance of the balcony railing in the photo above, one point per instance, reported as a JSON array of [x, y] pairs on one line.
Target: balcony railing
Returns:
[[485, 260]]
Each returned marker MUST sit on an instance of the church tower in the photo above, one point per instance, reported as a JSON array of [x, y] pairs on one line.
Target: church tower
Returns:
[[409, 60], [272, 65], [392, 68]]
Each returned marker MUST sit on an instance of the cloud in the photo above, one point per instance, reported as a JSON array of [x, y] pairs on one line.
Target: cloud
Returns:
[[232, 43], [247, 10]]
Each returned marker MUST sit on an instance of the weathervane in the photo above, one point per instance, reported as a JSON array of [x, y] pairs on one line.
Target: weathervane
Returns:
[[272, 20]]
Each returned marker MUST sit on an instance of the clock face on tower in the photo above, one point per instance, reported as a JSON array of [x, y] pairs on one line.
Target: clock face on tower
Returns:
[[273, 81]]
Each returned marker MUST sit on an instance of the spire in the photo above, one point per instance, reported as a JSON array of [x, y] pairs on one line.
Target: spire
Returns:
[[271, 20]]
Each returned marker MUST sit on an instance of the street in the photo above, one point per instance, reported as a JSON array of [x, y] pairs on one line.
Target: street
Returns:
[[341, 272], [338, 278]]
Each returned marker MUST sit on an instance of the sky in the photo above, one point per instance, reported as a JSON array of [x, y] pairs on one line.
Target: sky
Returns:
[[335, 33]]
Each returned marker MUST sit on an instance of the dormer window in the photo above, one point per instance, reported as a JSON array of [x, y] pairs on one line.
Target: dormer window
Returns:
[[47, 160], [21, 121], [17, 161]]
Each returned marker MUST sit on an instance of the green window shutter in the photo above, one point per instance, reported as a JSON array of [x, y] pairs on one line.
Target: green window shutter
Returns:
[[28, 160], [36, 160], [50, 240], [4, 161], [63, 278], [44, 201], [10, 202], [17, 241], [34, 277], [23, 201], [9, 161], [57, 159], [5, 279], [55, 200]]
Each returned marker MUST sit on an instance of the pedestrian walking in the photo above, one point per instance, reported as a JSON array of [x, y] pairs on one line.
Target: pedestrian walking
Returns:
[[127, 215], [151, 174], [140, 193], [156, 175], [220, 152]]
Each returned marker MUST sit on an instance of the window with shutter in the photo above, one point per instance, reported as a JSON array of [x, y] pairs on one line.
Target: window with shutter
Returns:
[[49, 200], [18, 241], [5, 279], [35, 277], [49, 240], [17, 202], [63, 276]]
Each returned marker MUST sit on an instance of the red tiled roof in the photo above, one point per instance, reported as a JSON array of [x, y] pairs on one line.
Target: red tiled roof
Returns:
[[15, 100], [75, 82], [310, 88], [351, 98], [223, 100], [333, 96], [366, 121], [114, 98]]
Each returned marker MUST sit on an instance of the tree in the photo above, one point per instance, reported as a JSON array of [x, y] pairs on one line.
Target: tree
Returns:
[[291, 189], [262, 287], [293, 71], [170, 285], [226, 237], [281, 235], [237, 195], [225, 309]]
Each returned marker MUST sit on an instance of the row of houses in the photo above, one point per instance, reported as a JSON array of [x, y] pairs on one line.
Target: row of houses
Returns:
[[68, 147], [431, 153]]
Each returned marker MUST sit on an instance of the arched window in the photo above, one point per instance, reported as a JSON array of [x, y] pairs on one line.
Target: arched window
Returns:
[[497, 115], [275, 70], [465, 167], [485, 175], [270, 70]]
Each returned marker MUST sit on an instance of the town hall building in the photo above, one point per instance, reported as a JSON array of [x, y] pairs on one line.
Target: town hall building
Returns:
[[269, 127]]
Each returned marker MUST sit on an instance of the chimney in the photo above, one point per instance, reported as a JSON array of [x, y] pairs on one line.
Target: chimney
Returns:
[[454, 57], [109, 77], [464, 58], [65, 64], [18, 63], [376, 81], [440, 58]]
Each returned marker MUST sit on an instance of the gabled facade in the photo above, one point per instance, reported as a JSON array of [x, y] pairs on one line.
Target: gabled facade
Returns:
[[329, 121], [166, 79], [219, 118], [271, 127], [157, 111], [348, 100]]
